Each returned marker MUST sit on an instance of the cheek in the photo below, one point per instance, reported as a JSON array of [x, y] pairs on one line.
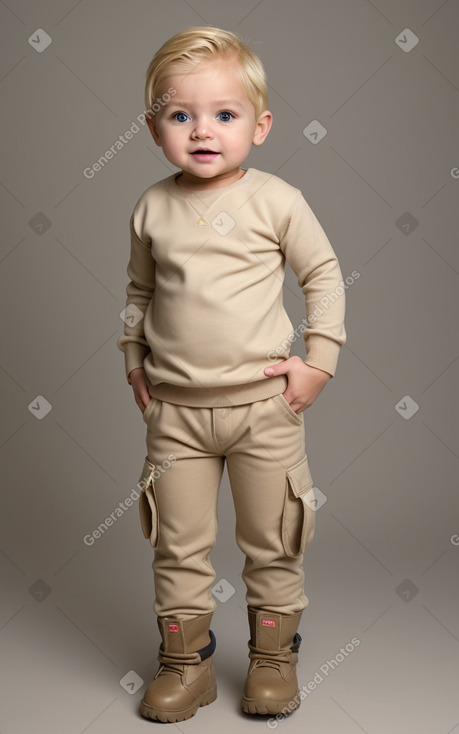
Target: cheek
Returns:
[[242, 135], [172, 138], [166, 132]]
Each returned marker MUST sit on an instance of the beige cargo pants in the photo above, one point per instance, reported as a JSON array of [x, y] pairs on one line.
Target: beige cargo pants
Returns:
[[264, 446]]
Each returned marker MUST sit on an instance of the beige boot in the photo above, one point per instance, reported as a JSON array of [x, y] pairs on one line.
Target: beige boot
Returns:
[[185, 679], [272, 686]]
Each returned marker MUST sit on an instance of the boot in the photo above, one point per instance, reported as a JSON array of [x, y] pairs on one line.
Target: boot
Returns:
[[272, 686], [185, 679]]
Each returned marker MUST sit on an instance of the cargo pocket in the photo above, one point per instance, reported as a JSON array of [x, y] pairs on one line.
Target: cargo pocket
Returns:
[[298, 519], [148, 505]]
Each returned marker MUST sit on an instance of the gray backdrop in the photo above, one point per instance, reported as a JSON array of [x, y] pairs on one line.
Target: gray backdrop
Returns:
[[78, 637]]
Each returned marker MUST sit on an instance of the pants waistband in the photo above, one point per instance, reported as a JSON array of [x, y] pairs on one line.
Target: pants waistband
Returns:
[[219, 397]]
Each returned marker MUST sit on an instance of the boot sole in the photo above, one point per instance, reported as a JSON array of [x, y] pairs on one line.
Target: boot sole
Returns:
[[259, 706], [171, 717]]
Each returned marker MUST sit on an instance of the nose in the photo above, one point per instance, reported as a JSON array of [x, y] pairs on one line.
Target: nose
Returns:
[[202, 129]]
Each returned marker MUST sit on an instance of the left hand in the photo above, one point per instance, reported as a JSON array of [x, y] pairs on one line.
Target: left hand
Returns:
[[305, 383]]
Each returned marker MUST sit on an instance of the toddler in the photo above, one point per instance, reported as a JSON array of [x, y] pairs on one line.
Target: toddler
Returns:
[[207, 344]]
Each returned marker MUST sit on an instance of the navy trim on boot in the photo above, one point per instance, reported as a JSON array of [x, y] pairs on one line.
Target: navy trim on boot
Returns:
[[208, 650], [296, 643]]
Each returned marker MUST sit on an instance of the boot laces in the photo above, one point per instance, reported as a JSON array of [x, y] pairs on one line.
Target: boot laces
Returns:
[[170, 668], [267, 663], [271, 660]]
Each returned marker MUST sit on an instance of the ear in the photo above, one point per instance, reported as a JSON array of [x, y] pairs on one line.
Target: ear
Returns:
[[151, 122], [262, 128]]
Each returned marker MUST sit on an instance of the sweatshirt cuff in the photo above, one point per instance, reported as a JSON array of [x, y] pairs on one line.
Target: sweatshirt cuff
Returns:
[[134, 355], [323, 353]]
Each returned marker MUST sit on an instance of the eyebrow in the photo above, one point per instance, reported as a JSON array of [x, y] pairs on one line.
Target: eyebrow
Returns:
[[218, 103]]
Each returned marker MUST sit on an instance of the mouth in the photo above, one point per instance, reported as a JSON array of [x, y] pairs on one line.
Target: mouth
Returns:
[[204, 154]]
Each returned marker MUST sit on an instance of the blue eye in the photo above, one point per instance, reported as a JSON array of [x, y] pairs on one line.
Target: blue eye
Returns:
[[180, 116], [225, 116]]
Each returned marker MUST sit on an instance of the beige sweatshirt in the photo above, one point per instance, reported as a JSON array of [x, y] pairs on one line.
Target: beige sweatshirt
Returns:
[[204, 313]]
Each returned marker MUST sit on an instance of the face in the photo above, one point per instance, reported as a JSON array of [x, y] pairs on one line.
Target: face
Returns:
[[210, 112]]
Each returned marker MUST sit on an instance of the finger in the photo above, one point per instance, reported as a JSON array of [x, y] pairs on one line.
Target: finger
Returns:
[[278, 369]]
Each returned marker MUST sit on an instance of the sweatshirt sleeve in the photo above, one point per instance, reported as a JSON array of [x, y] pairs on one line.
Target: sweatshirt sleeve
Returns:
[[141, 271], [311, 257]]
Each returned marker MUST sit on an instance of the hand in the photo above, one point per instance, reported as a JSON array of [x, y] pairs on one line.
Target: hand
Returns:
[[140, 386], [305, 383]]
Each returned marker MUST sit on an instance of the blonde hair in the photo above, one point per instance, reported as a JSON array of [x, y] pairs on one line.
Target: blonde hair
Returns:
[[190, 47]]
